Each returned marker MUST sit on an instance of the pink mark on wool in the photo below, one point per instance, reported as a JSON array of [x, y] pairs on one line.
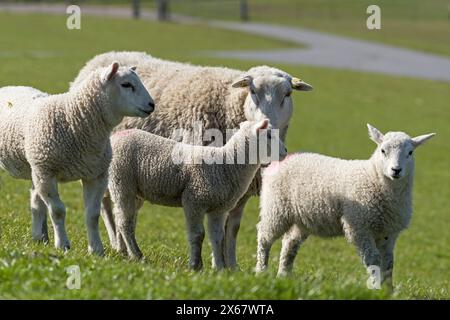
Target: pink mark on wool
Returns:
[[122, 133], [275, 165]]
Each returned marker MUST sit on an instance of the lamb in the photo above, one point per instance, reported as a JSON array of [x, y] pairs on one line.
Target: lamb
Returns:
[[367, 201], [61, 138], [219, 98], [203, 180]]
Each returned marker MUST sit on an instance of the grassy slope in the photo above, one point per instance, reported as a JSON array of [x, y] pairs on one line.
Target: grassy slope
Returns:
[[330, 119]]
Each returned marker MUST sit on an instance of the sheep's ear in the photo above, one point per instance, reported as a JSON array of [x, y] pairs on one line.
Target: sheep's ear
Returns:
[[419, 140], [110, 72], [243, 82], [375, 134], [133, 68], [261, 125], [300, 85]]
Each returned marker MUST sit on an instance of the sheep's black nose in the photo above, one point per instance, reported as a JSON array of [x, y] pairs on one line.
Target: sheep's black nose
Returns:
[[396, 170], [152, 106], [285, 150]]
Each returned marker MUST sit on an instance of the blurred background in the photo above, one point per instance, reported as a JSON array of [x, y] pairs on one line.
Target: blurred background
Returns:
[[396, 78]]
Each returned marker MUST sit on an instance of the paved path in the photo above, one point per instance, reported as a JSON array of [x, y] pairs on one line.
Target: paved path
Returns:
[[327, 50], [321, 49]]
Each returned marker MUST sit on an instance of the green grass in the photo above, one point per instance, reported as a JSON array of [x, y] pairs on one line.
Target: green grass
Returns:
[[330, 120], [62, 52]]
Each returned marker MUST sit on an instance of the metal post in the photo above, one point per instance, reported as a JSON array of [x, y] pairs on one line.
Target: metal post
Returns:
[[244, 10], [163, 10], [136, 9]]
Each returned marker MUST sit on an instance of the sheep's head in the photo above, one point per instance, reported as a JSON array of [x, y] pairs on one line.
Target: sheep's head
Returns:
[[264, 143], [125, 91], [269, 95], [395, 151]]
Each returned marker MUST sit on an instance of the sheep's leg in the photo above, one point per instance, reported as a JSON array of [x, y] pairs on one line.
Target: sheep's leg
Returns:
[[291, 243], [196, 234], [125, 216], [93, 191], [268, 232], [216, 224], [39, 217], [231, 230], [386, 247], [368, 252], [108, 219], [47, 189]]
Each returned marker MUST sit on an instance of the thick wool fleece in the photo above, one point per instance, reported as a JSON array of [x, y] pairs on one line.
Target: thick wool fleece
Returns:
[[15, 104], [324, 195], [185, 94], [312, 194], [143, 168], [64, 135]]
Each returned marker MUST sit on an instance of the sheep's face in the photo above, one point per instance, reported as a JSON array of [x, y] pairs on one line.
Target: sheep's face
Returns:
[[269, 146], [395, 152], [269, 97], [126, 92]]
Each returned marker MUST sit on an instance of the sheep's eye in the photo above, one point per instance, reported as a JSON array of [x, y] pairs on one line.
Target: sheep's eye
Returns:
[[382, 151], [410, 153], [252, 91], [288, 94], [127, 85]]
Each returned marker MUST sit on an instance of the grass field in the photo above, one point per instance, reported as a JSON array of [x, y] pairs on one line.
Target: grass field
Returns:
[[42, 53]]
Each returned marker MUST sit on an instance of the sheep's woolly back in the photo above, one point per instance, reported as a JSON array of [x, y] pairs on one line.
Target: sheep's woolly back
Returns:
[[317, 192], [15, 104], [143, 166], [183, 93], [16, 96]]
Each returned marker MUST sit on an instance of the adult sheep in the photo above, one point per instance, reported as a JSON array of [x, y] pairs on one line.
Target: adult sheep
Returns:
[[218, 98]]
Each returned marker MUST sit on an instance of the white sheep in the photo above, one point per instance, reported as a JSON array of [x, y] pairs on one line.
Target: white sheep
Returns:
[[367, 201], [219, 98], [60, 138], [148, 167]]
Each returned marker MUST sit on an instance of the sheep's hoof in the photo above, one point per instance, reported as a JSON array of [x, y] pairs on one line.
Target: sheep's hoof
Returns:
[[234, 268], [41, 238], [135, 257], [65, 246], [260, 269], [283, 274], [196, 266], [98, 251]]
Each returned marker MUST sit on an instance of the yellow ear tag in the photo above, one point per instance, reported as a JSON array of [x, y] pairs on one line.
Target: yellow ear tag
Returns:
[[296, 80]]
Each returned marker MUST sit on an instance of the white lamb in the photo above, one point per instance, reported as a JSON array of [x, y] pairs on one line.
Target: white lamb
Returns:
[[145, 167], [218, 98], [367, 201], [60, 138]]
